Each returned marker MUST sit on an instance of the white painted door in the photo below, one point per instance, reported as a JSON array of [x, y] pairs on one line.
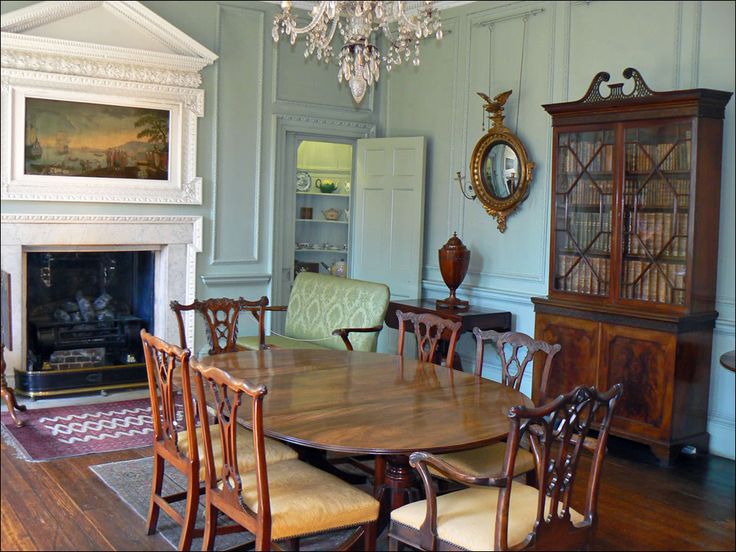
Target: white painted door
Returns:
[[388, 217]]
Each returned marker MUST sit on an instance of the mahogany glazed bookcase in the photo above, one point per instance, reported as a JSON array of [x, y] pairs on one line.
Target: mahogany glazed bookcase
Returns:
[[634, 249]]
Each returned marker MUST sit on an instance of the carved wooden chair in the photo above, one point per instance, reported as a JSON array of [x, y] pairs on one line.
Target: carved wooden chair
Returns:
[[275, 501], [516, 350], [221, 316], [499, 513], [173, 425], [430, 330]]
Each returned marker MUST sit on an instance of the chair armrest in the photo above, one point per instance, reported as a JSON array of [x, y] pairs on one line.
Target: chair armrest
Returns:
[[258, 313], [420, 461], [343, 334]]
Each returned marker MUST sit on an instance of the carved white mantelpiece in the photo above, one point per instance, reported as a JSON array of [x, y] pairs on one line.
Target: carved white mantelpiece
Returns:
[[106, 52], [175, 241]]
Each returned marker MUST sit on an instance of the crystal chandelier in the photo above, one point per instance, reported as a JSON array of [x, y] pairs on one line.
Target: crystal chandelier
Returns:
[[359, 59]]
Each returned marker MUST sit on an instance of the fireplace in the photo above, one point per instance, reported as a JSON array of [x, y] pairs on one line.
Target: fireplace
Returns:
[[160, 253], [85, 310]]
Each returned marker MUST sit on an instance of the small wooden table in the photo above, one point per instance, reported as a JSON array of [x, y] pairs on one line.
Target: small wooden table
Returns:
[[728, 360], [372, 403], [470, 318]]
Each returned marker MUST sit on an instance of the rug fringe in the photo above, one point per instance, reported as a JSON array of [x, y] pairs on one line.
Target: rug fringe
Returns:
[[10, 440]]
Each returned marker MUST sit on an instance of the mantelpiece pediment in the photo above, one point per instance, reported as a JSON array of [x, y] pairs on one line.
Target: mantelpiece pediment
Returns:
[[122, 31]]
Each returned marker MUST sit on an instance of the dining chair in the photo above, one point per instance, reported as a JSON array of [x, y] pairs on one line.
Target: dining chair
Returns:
[[221, 317], [430, 330], [516, 350], [498, 513], [175, 440], [275, 501]]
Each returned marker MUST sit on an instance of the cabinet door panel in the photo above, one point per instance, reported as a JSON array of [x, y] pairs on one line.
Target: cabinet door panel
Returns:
[[577, 361], [643, 361]]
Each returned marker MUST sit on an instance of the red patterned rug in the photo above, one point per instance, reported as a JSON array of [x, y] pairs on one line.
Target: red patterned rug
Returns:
[[51, 433]]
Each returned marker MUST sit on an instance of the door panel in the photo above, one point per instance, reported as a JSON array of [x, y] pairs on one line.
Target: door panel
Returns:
[[642, 360], [577, 361], [389, 217]]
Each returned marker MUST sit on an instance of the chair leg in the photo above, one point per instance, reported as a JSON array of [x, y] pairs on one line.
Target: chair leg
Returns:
[[531, 478], [210, 526], [393, 544], [190, 512], [158, 480], [369, 537]]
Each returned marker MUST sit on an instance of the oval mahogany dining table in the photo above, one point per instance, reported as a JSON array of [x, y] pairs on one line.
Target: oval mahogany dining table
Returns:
[[373, 403]]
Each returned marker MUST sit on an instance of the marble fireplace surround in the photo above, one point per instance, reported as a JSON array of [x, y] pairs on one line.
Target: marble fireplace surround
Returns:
[[175, 241]]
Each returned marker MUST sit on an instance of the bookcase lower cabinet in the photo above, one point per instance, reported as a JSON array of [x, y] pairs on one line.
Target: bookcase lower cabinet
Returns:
[[664, 366]]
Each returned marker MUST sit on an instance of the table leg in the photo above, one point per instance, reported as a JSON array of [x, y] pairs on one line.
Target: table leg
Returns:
[[7, 392], [397, 485]]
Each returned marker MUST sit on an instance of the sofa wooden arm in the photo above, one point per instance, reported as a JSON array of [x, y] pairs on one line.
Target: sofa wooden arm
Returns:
[[420, 461], [344, 332]]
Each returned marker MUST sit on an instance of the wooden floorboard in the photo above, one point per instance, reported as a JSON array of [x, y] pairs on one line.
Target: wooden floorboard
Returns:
[[62, 505]]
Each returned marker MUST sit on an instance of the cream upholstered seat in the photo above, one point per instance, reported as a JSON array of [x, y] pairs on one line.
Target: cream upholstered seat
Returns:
[[306, 500], [467, 518], [275, 450], [498, 513], [486, 460]]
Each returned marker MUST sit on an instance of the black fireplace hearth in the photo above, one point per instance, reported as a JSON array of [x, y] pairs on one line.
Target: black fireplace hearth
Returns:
[[85, 312]]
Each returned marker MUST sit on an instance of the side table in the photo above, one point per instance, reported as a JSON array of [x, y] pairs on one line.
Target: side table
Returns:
[[484, 319]]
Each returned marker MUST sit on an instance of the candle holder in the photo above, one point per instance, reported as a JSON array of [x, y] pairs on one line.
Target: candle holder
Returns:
[[454, 261]]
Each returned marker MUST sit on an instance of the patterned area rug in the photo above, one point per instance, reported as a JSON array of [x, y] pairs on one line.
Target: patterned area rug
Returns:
[[131, 481], [51, 433]]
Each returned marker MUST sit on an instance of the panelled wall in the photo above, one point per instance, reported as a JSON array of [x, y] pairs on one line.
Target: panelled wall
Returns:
[[549, 52]]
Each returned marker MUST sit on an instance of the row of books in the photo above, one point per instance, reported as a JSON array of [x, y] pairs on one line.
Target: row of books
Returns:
[[644, 282], [585, 228], [659, 193], [584, 152], [645, 157], [658, 233], [576, 275], [584, 192]]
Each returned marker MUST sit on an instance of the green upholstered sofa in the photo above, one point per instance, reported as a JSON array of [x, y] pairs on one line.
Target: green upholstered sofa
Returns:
[[324, 310]]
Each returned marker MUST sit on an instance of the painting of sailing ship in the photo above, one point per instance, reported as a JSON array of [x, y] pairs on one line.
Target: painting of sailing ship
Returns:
[[64, 138]]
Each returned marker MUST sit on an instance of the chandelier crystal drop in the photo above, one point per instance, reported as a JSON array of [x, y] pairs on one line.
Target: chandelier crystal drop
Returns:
[[359, 59]]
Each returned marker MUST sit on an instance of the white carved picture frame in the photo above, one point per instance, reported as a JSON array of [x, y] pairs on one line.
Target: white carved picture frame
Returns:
[[185, 106]]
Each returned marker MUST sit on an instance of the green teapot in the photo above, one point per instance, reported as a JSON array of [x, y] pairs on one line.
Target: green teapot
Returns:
[[325, 186]]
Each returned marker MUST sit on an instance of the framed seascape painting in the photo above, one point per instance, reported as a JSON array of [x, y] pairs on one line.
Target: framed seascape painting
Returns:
[[64, 138], [61, 145]]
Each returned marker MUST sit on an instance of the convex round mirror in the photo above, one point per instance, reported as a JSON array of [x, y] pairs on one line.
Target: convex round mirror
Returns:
[[500, 169]]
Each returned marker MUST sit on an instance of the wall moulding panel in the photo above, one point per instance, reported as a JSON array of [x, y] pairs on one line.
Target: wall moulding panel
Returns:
[[239, 114], [43, 64]]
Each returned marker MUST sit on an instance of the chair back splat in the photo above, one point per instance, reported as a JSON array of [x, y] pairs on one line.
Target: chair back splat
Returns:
[[221, 317], [516, 350], [429, 330], [557, 433]]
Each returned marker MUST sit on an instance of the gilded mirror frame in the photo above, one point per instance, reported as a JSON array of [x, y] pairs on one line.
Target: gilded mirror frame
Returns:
[[499, 208]]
